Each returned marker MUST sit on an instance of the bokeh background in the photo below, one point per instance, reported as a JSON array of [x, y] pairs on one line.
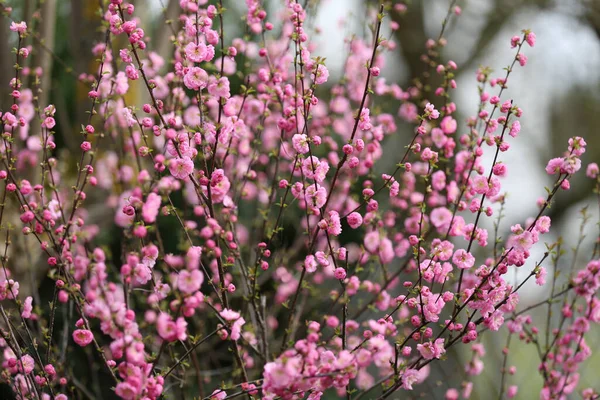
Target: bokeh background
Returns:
[[559, 91]]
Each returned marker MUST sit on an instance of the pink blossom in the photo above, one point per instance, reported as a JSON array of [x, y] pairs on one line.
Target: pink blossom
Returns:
[[189, 281], [230, 315], [322, 74], [218, 394], [171, 330], [26, 364], [83, 337], [334, 226], [181, 168], [196, 52], [431, 350], [462, 259], [592, 170], [554, 166], [540, 276], [431, 112], [364, 120], [27, 307], [196, 78], [440, 218], [354, 220], [530, 39], [448, 125], [300, 143], [20, 27], [151, 207], [340, 273], [310, 263], [409, 377], [220, 88]]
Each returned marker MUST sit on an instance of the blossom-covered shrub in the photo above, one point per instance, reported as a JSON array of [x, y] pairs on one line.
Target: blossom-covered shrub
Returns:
[[261, 252]]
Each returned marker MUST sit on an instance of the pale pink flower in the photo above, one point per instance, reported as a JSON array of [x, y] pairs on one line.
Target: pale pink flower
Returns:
[[409, 377], [218, 394], [196, 52], [310, 263], [20, 27], [322, 74], [189, 281], [372, 241], [236, 329], [195, 79], [542, 225], [181, 168], [150, 208], [300, 143], [440, 218], [220, 88], [170, 330], [431, 112], [334, 226], [229, 315], [540, 276], [592, 171], [462, 259], [27, 307], [448, 125], [364, 120]]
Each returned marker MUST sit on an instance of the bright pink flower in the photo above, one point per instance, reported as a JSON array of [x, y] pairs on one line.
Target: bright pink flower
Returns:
[[127, 391], [48, 123], [83, 337]]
